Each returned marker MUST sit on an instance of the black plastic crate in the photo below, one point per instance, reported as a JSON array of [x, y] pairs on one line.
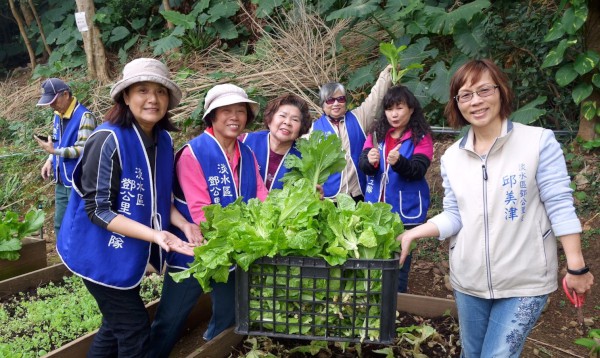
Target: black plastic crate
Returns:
[[306, 298]]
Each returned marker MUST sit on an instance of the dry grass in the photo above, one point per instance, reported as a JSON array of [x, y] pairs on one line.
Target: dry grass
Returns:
[[297, 55]]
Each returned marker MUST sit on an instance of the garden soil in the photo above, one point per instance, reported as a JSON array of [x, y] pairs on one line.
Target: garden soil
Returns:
[[554, 334]]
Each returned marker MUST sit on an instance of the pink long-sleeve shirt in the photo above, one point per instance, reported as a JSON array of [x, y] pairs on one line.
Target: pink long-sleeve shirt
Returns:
[[193, 183]]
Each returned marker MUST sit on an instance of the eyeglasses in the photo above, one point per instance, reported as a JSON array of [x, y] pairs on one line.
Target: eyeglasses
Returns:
[[340, 99], [484, 91]]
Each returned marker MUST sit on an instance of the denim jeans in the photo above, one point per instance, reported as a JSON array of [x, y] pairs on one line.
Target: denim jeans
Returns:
[[405, 269], [496, 327], [125, 328], [61, 200], [403, 275], [177, 301]]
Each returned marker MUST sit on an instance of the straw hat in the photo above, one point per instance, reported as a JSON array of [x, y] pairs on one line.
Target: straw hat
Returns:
[[150, 70], [224, 95]]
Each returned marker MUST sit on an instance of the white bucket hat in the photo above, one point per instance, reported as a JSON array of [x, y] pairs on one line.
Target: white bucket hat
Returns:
[[224, 95], [150, 70]]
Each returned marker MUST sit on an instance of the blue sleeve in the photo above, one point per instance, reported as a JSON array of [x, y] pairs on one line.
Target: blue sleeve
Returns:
[[553, 183]]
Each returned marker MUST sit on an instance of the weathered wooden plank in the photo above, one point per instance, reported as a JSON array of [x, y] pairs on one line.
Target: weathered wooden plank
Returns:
[[33, 279], [426, 306], [218, 347], [33, 257]]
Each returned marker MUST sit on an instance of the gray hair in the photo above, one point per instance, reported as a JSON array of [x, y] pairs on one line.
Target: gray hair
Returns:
[[327, 90]]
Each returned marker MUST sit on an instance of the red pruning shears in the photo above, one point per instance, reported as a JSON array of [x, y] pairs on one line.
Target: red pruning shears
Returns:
[[577, 300]]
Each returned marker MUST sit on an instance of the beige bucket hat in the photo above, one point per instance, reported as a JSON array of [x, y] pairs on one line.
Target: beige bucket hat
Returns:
[[147, 70], [224, 95]]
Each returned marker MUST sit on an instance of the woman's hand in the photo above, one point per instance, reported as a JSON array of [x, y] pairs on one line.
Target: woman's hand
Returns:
[[406, 240], [582, 284], [170, 242], [320, 191], [373, 156], [394, 155], [193, 234]]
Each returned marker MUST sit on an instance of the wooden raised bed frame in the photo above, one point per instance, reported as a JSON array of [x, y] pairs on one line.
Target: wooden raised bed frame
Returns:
[[33, 257], [221, 345]]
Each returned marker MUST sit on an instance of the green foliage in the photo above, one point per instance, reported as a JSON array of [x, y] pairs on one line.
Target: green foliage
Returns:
[[66, 43], [591, 342], [514, 33], [13, 229], [208, 21], [529, 113], [31, 325], [321, 156], [392, 54], [417, 335], [576, 65]]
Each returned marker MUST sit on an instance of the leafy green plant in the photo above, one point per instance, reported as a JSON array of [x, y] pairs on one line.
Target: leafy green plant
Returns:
[[578, 67], [313, 348], [13, 230], [392, 54], [321, 156], [591, 342], [207, 21], [31, 325], [417, 335]]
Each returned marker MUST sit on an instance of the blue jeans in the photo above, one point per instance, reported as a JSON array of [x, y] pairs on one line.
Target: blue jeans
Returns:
[[496, 327], [125, 328], [403, 275], [61, 200], [177, 301]]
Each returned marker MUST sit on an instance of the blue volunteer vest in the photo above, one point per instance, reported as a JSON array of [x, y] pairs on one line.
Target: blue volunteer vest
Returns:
[[259, 143], [105, 257], [357, 138], [408, 198], [66, 138], [219, 179]]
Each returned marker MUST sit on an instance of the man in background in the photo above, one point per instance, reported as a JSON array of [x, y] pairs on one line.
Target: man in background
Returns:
[[72, 125]]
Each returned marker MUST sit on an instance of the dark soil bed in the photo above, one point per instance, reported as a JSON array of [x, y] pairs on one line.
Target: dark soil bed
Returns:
[[436, 337]]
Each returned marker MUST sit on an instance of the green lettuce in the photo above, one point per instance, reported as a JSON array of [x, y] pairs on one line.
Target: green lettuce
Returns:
[[294, 221]]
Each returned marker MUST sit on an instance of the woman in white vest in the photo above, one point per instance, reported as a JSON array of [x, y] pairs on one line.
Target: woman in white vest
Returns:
[[507, 198], [121, 205]]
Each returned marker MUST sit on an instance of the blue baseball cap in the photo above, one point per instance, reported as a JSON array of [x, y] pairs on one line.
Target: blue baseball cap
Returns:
[[51, 88]]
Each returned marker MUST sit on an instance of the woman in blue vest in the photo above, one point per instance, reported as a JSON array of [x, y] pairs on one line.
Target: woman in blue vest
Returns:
[[120, 204], [396, 165], [213, 168], [350, 126], [287, 118]]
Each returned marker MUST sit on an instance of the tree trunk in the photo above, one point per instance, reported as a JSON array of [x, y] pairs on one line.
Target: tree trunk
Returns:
[[26, 11], [92, 43], [19, 20], [39, 23], [591, 37], [167, 7]]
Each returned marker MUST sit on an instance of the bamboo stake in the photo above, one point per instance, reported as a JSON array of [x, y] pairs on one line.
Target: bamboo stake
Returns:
[[554, 347]]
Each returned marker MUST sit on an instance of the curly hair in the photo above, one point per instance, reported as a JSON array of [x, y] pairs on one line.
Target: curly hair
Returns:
[[292, 100], [417, 122]]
